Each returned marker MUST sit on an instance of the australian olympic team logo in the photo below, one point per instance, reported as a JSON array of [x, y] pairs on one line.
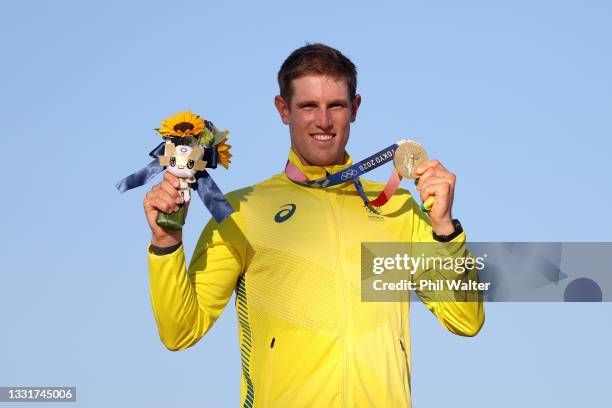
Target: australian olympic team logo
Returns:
[[348, 174], [380, 159], [285, 213]]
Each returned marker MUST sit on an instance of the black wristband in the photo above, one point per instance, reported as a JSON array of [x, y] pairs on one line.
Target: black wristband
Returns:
[[156, 250], [446, 238]]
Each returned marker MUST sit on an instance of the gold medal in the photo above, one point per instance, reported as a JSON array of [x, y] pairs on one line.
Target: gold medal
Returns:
[[408, 156]]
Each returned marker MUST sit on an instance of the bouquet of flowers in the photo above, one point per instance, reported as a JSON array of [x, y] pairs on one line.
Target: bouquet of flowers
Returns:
[[191, 144]]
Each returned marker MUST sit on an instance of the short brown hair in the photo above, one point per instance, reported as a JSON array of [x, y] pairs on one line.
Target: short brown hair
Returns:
[[316, 59]]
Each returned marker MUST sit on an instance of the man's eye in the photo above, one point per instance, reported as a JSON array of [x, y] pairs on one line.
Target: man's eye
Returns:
[[172, 161], [190, 164]]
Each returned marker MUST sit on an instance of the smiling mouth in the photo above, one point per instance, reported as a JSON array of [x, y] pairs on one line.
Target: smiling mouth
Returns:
[[323, 137]]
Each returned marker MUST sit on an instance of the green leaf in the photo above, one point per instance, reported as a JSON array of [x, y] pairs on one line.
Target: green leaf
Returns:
[[206, 138], [219, 136]]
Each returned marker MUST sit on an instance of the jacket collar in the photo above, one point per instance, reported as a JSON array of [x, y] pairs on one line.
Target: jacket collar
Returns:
[[316, 172]]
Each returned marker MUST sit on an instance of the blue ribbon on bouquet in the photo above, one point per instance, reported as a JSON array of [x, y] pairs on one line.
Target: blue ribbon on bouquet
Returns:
[[209, 192]]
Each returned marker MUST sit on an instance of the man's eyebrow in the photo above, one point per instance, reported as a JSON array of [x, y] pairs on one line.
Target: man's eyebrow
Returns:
[[341, 102], [307, 102]]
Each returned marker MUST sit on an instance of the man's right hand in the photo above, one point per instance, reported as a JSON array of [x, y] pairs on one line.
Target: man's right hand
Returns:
[[164, 197]]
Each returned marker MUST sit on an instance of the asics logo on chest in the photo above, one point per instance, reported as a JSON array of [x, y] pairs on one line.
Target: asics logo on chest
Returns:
[[285, 213]]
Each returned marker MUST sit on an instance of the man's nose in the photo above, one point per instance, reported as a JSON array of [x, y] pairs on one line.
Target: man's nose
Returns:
[[323, 119]]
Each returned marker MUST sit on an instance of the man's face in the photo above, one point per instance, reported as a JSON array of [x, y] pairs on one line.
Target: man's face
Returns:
[[319, 119]]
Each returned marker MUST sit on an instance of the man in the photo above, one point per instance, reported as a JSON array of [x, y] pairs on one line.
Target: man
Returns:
[[292, 255]]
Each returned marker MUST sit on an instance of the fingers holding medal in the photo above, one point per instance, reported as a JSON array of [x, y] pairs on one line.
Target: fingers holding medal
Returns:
[[434, 180]]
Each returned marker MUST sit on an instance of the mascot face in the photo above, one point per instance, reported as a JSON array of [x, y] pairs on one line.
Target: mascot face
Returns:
[[182, 161]]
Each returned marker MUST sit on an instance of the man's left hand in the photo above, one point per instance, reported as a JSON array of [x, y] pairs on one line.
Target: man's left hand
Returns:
[[435, 180]]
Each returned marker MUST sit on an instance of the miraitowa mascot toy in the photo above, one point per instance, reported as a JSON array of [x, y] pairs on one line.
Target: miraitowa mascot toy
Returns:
[[191, 145]]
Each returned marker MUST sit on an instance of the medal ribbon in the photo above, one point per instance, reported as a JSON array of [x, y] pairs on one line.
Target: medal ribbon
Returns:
[[352, 173]]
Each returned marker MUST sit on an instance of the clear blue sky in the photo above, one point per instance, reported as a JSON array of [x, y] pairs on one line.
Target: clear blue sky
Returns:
[[514, 97]]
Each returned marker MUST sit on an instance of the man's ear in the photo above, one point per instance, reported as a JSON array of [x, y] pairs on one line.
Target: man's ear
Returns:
[[283, 108], [355, 106]]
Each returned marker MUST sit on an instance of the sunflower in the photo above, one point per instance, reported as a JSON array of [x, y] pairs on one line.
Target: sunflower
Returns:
[[224, 155], [183, 124]]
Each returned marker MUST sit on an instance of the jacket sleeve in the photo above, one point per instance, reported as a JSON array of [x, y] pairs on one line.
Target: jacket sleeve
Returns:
[[186, 303], [459, 311]]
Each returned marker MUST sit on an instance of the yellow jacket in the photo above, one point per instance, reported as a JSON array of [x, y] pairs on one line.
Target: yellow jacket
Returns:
[[292, 255]]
